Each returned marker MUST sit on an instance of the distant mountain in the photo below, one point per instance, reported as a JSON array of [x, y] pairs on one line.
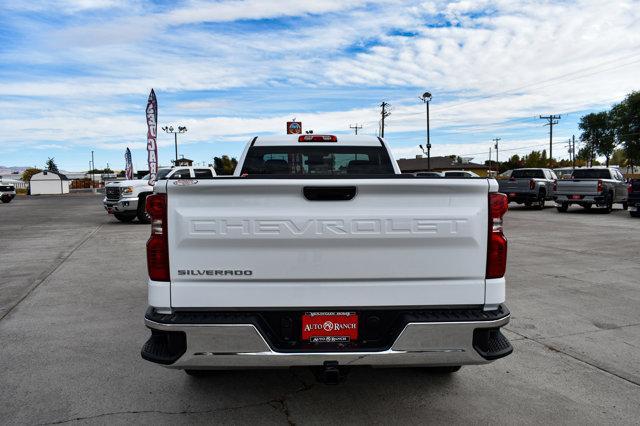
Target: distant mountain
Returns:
[[7, 171]]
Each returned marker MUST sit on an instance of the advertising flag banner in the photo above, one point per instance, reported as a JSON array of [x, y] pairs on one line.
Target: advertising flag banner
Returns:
[[129, 164], [294, 128], [152, 146]]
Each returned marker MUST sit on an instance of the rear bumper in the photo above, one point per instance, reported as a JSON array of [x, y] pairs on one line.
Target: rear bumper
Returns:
[[430, 338], [634, 203], [586, 199], [522, 197]]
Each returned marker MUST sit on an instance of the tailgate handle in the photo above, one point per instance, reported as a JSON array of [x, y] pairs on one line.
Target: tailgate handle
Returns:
[[329, 193]]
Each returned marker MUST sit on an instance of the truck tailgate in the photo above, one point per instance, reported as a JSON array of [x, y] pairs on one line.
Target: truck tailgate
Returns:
[[242, 243], [517, 186], [577, 186]]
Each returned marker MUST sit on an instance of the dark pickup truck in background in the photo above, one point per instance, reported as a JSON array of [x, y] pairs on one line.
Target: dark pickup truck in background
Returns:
[[634, 197]]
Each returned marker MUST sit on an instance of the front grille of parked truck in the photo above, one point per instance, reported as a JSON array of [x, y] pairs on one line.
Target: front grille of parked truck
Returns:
[[113, 193]]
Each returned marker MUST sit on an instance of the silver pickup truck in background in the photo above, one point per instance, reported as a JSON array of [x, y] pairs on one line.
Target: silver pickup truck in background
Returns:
[[530, 186], [599, 186]]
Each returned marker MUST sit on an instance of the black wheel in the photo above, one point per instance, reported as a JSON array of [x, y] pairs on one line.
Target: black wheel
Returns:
[[542, 196], [125, 217], [635, 214], [444, 370], [563, 207], [608, 208], [143, 216], [527, 203], [196, 373], [6, 198], [587, 206], [625, 205]]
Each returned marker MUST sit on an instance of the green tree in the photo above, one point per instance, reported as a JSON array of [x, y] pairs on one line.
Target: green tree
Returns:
[[51, 165], [598, 133], [28, 173], [626, 123], [100, 171], [224, 165], [619, 158]]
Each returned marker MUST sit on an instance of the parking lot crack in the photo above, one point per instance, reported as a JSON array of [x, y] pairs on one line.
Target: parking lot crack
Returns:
[[51, 271], [556, 349], [182, 412]]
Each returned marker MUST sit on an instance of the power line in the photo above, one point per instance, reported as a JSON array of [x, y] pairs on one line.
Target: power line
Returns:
[[552, 120], [560, 77], [510, 149]]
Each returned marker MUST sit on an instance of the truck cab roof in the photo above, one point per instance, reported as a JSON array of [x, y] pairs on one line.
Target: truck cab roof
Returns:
[[315, 140]]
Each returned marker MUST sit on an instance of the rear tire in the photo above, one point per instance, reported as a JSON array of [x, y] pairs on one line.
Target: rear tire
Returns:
[[542, 196], [608, 208], [125, 217], [634, 214], [6, 198], [625, 205], [143, 216], [587, 206], [562, 208]]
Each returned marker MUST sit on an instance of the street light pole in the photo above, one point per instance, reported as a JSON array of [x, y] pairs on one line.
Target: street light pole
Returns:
[[426, 98], [170, 129], [93, 169]]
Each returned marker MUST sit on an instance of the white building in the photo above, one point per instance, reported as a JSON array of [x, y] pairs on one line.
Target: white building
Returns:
[[48, 182]]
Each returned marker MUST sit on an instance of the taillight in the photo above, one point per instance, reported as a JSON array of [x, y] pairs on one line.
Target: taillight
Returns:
[[317, 138], [532, 184], [497, 243], [157, 245], [599, 186], [555, 185], [630, 188]]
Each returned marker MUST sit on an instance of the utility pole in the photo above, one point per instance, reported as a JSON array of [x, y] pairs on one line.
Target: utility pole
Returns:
[[169, 129], [489, 158], [356, 127], [552, 120], [496, 140], [384, 113], [573, 150]]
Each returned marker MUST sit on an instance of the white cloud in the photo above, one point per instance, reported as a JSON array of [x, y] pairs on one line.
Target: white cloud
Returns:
[[486, 63]]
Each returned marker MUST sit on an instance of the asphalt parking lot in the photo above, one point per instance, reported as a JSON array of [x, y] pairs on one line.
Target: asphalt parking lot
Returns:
[[73, 295]]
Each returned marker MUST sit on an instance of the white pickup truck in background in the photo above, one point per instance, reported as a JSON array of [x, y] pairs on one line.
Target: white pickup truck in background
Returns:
[[125, 199], [319, 252]]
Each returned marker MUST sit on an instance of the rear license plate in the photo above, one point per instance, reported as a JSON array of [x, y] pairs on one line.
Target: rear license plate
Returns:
[[576, 197], [329, 327]]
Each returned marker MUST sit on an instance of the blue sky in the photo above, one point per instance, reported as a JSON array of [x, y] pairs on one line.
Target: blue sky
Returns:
[[75, 74]]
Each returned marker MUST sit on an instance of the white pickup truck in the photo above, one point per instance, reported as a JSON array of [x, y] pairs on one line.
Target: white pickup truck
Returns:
[[7, 192], [319, 252], [125, 199]]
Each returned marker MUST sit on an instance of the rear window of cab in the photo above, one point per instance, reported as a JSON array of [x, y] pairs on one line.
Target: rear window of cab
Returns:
[[327, 160]]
